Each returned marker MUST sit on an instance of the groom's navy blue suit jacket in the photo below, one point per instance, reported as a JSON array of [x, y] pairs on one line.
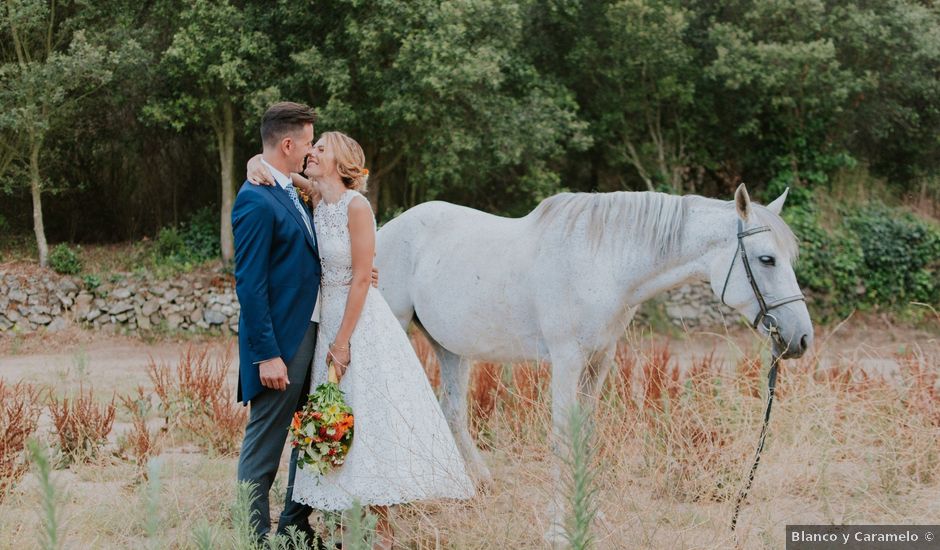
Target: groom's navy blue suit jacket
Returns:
[[277, 276]]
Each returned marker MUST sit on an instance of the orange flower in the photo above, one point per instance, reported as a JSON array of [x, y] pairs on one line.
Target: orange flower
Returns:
[[296, 423], [365, 171]]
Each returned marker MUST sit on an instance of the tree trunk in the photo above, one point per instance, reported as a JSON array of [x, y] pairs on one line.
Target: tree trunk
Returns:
[[226, 138], [372, 191], [36, 189]]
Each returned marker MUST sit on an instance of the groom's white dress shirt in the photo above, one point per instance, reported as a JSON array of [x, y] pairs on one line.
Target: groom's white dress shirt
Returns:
[[284, 181]]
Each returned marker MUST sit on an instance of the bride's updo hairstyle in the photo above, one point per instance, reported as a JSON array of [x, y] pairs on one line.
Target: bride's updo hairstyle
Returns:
[[350, 160]]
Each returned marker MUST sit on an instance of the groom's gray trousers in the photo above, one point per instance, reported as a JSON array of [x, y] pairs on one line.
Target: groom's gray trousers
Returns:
[[265, 437]]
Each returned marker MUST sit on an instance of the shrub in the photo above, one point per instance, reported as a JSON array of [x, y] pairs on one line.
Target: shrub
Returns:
[[49, 536], [901, 256], [91, 282], [19, 416], [866, 256], [199, 401], [64, 260], [195, 241], [140, 443], [829, 263], [82, 426]]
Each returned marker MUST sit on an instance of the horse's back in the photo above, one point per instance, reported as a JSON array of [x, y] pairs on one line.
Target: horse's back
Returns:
[[459, 270]]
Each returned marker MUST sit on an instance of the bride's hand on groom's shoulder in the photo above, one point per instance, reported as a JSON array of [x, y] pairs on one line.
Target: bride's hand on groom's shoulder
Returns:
[[306, 187], [258, 173]]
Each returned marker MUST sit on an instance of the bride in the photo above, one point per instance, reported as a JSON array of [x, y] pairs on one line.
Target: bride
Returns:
[[402, 449]]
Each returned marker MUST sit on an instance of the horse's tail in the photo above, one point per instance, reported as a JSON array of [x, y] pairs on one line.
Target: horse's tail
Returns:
[[393, 258]]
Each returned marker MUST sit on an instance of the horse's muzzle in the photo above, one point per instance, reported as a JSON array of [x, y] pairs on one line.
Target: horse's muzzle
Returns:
[[792, 348]]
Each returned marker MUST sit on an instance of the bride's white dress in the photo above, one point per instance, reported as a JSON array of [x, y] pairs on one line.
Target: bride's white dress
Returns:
[[402, 448]]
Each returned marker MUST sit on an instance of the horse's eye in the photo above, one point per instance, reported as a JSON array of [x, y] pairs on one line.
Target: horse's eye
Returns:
[[768, 260]]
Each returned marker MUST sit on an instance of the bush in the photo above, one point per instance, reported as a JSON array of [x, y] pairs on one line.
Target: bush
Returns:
[[901, 256], [830, 262], [199, 401], [81, 425], [193, 242], [19, 417], [64, 260], [874, 256]]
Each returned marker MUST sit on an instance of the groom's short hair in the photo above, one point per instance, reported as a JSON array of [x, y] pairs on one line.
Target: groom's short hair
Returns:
[[284, 118]]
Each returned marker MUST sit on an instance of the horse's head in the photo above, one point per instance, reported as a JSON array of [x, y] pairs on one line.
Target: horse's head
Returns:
[[754, 275]]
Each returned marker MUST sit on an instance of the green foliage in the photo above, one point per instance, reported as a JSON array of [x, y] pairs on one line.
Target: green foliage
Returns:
[[581, 488], [486, 103], [244, 519], [867, 256], [194, 242], [151, 504], [63, 259], [213, 60], [442, 96], [829, 263], [205, 535], [49, 537], [901, 256], [91, 281], [360, 527]]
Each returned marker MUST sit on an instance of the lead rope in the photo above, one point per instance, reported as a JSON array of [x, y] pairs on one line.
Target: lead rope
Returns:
[[771, 386]]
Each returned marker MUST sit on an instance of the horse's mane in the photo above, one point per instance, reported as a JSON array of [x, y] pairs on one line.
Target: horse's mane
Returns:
[[653, 219]]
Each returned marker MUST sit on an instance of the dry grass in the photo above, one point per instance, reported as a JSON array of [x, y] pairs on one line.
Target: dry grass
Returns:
[[19, 416], [198, 399], [675, 435], [81, 425], [140, 442]]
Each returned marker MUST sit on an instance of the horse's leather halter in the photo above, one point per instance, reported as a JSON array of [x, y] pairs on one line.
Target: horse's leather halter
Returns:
[[765, 308], [771, 327]]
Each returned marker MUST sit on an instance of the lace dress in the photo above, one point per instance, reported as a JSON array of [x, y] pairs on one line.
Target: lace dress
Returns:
[[402, 448]]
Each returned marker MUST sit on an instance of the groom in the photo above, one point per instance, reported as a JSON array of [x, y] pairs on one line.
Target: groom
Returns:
[[277, 277]]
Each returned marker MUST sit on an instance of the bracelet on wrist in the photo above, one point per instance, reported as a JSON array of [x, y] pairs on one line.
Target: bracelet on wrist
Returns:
[[333, 345]]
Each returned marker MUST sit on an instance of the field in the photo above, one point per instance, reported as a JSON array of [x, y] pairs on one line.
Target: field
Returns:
[[854, 439]]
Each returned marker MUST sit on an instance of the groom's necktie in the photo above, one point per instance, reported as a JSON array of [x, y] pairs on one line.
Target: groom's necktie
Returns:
[[292, 193]]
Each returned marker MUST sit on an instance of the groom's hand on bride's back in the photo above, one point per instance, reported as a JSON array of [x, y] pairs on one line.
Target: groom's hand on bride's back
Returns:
[[274, 374]]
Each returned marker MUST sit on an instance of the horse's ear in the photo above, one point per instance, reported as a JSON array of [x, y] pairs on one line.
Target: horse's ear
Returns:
[[743, 202], [777, 205]]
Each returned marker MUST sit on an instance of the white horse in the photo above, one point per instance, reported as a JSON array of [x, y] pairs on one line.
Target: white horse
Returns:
[[563, 282]]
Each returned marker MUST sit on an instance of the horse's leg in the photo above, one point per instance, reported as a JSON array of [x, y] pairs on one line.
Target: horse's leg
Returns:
[[455, 380], [593, 377], [568, 364]]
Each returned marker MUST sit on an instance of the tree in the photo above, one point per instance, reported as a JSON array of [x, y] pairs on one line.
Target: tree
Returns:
[[635, 78], [442, 96], [214, 71], [893, 49], [47, 70]]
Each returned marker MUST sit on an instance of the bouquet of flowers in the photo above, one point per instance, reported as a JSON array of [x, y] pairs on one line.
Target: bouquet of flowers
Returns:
[[323, 430]]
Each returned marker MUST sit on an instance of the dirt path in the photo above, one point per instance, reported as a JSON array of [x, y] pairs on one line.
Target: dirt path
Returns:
[[108, 363], [120, 363]]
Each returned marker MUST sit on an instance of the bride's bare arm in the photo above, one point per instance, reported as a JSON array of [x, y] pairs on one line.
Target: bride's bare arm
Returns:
[[306, 187], [258, 173], [362, 241]]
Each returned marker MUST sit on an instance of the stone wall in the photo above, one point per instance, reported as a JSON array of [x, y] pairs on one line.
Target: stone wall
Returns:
[[695, 306], [125, 303], [130, 303]]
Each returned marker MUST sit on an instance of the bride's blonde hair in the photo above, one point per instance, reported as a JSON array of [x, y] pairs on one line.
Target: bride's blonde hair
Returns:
[[350, 160]]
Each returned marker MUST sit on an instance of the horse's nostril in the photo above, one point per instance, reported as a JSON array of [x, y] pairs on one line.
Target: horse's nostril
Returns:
[[804, 342]]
